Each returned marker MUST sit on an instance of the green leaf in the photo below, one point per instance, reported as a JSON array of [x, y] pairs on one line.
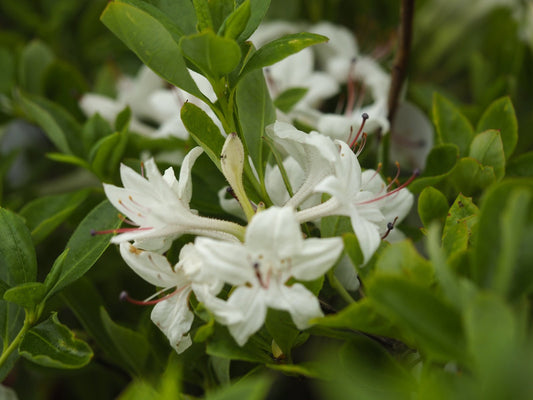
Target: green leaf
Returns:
[[487, 148], [60, 127], [258, 9], [36, 57], [205, 331], [462, 217], [281, 48], [153, 43], [203, 130], [352, 249], [107, 153], [132, 346], [220, 10], [432, 206], [203, 15], [27, 295], [18, 263], [435, 326], [521, 165], [236, 22], [501, 115], [361, 316], [7, 66], [289, 98], [470, 177], [93, 130], [84, 249], [452, 126], [47, 213], [257, 349], [401, 258], [255, 112], [311, 369], [282, 329], [248, 388], [51, 344], [69, 159], [440, 162], [122, 120], [215, 56], [181, 12]]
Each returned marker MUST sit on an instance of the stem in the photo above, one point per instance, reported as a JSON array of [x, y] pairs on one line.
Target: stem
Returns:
[[405, 32], [335, 284], [15, 343]]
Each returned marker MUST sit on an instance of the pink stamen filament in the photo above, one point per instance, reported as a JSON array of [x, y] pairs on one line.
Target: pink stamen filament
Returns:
[[390, 227], [120, 230], [352, 144], [396, 177], [361, 145], [351, 90], [142, 169], [412, 178], [125, 296], [123, 218]]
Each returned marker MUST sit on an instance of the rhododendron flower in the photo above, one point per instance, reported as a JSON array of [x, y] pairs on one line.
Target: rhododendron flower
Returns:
[[273, 252], [159, 207]]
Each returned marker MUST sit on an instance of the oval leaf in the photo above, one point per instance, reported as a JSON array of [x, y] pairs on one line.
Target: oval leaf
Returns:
[[52, 344], [27, 295], [487, 148], [501, 115]]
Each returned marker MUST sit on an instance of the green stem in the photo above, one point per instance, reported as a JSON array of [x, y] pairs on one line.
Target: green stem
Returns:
[[335, 284], [15, 343]]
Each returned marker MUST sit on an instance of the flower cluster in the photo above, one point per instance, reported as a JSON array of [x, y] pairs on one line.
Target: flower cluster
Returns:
[[264, 262]]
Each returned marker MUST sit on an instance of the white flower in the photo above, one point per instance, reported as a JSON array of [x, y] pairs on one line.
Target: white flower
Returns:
[[171, 313], [315, 153], [159, 207], [363, 197], [272, 253]]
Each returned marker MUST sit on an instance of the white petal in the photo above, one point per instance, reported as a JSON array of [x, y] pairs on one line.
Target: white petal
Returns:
[[252, 304], [346, 273], [367, 234], [174, 319], [185, 181], [316, 258], [297, 300], [227, 261], [152, 267], [275, 231]]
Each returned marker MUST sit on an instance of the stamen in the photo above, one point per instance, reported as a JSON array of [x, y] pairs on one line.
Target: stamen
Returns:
[[121, 230], [350, 137], [364, 116], [142, 169], [123, 218], [405, 184], [258, 275], [361, 145], [395, 179], [136, 203], [390, 227], [124, 296]]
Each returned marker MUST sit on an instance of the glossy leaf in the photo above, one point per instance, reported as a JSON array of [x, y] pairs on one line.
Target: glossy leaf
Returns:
[[435, 326], [52, 344], [461, 219], [401, 258], [452, 126], [69, 159], [470, 177], [214, 55], [440, 162], [181, 12], [501, 115], [281, 327], [432, 206], [236, 22], [256, 111], [203, 130], [360, 316], [132, 347], [107, 153], [84, 249], [203, 15], [258, 9], [27, 295], [47, 213], [289, 98], [281, 48], [60, 127], [487, 148], [151, 41]]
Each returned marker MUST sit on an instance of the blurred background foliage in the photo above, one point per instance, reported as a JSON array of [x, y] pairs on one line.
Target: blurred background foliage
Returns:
[[472, 52]]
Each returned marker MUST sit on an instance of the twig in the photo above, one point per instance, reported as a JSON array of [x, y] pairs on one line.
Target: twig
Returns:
[[399, 70]]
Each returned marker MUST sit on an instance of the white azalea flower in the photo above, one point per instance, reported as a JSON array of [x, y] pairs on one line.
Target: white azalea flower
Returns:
[[362, 196], [272, 253], [315, 153], [159, 207]]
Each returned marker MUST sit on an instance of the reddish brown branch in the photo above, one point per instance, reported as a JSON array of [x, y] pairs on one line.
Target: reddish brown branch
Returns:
[[399, 70]]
